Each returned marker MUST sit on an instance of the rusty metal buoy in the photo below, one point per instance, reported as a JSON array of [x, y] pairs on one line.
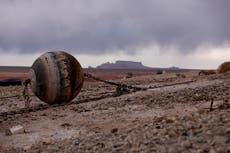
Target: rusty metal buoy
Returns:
[[56, 77], [224, 67]]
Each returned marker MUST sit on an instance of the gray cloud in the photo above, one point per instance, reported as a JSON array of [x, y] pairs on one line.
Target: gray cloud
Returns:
[[93, 27]]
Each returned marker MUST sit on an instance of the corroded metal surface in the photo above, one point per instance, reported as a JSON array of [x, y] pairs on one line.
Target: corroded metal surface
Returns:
[[56, 77], [224, 67]]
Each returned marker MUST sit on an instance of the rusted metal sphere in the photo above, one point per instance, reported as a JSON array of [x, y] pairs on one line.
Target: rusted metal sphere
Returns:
[[224, 67], [56, 77]]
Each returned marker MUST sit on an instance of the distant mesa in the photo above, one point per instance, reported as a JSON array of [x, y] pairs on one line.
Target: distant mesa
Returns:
[[129, 65], [123, 65], [90, 67], [173, 68]]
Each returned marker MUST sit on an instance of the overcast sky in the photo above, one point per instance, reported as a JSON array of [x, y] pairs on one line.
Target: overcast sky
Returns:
[[184, 33]]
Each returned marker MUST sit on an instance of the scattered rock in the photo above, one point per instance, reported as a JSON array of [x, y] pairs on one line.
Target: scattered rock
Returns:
[[130, 123], [27, 148], [114, 130], [186, 144], [158, 126], [18, 129], [66, 125], [76, 142], [47, 142]]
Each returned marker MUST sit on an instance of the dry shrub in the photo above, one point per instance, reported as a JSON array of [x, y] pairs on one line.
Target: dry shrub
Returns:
[[179, 75], [159, 72], [207, 72]]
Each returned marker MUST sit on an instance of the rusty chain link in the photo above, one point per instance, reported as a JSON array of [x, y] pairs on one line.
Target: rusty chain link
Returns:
[[25, 93], [113, 83]]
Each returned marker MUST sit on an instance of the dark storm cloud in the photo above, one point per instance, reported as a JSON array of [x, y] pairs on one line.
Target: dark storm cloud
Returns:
[[92, 27]]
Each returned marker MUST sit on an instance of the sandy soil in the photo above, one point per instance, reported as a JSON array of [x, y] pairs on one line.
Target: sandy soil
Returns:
[[167, 119]]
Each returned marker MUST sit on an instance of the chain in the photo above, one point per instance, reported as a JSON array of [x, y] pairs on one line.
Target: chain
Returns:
[[26, 94], [134, 87], [113, 83]]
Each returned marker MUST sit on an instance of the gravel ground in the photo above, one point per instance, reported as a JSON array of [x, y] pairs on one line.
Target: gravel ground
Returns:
[[167, 119]]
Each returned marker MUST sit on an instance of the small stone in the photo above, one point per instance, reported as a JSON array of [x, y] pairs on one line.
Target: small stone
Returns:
[[169, 121], [18, 129], [44, 114], [66, 125], [26, 148], [76, 142], [185, 134], [114, 130], [46, 141], [100, 145], [227, 140], [228, 131], [187, 144], [158, 127], [173, 150], [199, 151], [212, 151], [228, 149], [220, 149]]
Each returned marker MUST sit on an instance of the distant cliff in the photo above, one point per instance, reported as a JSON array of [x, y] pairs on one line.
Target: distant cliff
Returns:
[[123, 65]]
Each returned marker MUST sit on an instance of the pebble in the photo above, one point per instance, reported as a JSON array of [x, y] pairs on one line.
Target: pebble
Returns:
[[186, 144], [158, 127], [114, 130], [18, 129], [77, 142], [47, 141], [212, 151], [26, 148]]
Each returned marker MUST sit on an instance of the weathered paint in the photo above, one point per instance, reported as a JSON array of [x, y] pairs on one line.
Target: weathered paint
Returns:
[[56, 77]]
